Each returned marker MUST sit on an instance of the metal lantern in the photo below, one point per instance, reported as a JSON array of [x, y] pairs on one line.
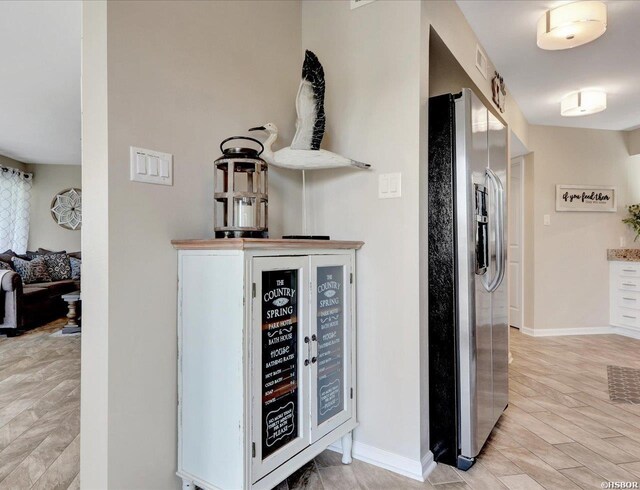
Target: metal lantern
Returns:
[[240, 183]]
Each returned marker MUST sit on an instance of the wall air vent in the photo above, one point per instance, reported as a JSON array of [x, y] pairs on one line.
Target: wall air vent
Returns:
[[359, 3], [481, 61]]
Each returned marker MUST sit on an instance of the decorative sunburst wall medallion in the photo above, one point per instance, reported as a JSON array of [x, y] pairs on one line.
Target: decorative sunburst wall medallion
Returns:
[[66, 209]]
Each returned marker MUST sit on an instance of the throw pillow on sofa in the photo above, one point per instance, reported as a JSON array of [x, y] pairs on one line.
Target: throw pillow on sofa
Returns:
[[32, 270], [7, 255], [76, 265], [4, 266], [58, 266], [44, 251]]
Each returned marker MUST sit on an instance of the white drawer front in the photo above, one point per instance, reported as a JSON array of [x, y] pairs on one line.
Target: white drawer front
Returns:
[[628, 299], [629, 284], [629, 317], [628, 269]]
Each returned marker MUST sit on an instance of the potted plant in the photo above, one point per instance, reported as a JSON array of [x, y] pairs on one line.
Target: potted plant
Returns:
[[634, 219]]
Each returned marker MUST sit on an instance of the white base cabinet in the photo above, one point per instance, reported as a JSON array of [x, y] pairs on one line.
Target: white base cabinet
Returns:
[[266, 360], [624, 297]]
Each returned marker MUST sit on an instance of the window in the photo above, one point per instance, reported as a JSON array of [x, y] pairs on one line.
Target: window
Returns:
[[15, 194]]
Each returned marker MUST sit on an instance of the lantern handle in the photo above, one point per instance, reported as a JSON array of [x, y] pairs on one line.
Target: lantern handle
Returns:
[[242, 138]]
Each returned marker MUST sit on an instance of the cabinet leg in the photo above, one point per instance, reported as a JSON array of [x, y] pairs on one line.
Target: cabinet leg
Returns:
[[347, 443], [187, 485]]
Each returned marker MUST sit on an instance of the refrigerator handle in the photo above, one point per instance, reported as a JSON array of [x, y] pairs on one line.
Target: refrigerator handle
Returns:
[[498, 189]]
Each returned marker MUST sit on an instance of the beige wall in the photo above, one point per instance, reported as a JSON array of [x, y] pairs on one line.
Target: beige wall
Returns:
[[570, 264], [47, 182], [212, 70], [446, 18], [633, 190], [446, 74], [372, 67], [528, 259], [633, 141], [94, 402], [10, 162]]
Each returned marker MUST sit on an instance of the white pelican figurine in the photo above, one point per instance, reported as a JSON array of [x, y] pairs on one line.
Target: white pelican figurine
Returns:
[[304, 152], [301, 159]]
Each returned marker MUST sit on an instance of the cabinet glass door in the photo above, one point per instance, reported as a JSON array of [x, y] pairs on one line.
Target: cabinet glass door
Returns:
[[331, 343], [280, 358]]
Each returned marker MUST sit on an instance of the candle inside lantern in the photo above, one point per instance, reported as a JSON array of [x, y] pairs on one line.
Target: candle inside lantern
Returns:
[[244, 213]]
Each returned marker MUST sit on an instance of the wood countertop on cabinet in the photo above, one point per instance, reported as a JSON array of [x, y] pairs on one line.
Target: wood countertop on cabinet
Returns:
[[263, 243]]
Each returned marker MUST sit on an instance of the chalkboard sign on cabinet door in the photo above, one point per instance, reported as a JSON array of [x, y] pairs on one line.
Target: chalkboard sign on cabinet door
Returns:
[[332, 385], [330, 327], [279, 359]]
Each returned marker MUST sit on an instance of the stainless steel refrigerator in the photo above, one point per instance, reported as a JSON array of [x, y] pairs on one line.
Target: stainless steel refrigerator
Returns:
[[468, 331]]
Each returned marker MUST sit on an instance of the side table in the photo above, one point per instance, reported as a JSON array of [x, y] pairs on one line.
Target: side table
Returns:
[[73, 324]]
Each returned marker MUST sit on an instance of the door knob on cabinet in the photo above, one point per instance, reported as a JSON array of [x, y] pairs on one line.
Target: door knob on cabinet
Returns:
[[306, 340], [313, 360], [306, 362], [314, 338]]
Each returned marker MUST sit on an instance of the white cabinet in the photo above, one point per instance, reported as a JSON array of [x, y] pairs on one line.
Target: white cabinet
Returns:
[[624, 297], [266, 374]]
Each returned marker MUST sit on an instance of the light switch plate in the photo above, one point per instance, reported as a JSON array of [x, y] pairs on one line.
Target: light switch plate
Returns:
[[547, 220], [151, 167], [389, 186]]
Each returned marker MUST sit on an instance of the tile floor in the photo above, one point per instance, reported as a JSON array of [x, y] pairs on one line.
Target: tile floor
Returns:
[[561, 430], [40, 410]]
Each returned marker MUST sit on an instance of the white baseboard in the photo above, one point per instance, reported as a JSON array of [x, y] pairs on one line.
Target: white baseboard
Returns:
[[428, 465], [631, 332], [556, 332], [416, 470], [634, 333]]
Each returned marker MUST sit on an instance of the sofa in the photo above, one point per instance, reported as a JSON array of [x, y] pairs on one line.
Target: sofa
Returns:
[[33, 304]]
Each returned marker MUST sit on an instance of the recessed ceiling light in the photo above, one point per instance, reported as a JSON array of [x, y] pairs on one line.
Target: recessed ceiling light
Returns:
[[583, 103], [572, 25]]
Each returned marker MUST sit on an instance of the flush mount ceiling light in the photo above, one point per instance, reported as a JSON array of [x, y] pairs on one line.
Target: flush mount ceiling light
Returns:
[[572, 25], [583, 103]]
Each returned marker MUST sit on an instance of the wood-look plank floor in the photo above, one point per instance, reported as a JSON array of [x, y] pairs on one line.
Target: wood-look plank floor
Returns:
[[560, 430], [40, 410]]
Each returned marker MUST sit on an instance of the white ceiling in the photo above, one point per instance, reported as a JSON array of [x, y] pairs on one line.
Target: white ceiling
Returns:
[[538, 79], [40, 81], [40, 74]]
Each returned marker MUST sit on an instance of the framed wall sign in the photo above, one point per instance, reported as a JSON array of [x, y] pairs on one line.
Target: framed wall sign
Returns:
[[598, 198]]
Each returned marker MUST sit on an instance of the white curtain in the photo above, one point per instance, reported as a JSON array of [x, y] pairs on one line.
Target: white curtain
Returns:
[[15, 196]]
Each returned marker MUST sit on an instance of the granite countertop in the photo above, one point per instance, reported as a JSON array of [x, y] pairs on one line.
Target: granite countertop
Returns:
[[624, 254]]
